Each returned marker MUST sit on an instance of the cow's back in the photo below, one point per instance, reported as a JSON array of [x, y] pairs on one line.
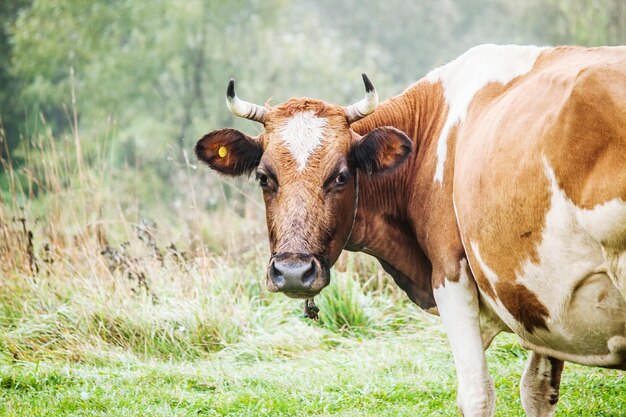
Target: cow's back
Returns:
[[540, 196]]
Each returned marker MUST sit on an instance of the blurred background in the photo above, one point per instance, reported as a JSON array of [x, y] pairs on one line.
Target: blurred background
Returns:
[[116, 92], [155, 73]]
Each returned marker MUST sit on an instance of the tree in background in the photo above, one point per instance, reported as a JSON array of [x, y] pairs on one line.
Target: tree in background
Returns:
[[582, 22], [411, 38], [11, 114], [155, 72], [147, 66], [159, 70]]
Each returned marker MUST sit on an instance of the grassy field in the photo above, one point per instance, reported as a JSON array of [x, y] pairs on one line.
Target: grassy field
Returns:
[[227, 348], [106, 313]]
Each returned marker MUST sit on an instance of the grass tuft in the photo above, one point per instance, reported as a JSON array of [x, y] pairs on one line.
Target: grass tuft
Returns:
[[342, 307]]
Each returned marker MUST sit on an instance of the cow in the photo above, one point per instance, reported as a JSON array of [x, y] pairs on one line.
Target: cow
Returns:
[[493, 190]]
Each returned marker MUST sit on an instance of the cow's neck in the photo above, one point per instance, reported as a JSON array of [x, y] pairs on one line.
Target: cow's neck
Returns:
[[389, 217]]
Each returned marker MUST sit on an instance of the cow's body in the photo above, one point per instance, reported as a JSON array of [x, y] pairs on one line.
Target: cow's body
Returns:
[[540, 192], [531, 191], [509, 215]]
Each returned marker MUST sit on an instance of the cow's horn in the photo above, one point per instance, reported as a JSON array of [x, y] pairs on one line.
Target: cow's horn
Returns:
[[365, 106], [242, 108]]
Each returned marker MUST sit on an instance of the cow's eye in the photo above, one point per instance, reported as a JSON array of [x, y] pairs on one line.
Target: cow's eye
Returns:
[[263, 180], [341, 179], [267, 179]]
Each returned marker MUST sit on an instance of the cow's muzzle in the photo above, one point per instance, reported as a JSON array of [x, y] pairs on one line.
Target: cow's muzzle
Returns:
[[297, 275]]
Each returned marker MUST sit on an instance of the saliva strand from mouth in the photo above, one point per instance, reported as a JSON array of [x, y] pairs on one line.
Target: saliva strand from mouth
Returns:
[[310, 309]]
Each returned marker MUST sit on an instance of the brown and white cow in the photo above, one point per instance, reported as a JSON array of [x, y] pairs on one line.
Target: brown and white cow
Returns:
[[493, 190]]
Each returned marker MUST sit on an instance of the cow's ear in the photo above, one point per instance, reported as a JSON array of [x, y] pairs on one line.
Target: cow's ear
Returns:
[[229, 151], [382, 149]]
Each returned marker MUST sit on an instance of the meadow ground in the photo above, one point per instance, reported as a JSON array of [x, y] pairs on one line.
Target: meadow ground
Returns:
[[83, 347], [101, 314]]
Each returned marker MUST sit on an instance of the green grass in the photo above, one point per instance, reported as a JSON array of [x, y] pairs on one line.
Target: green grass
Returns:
[[392, 375], [231, 349]]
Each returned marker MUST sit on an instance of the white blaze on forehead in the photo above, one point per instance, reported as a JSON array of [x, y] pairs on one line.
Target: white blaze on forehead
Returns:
[[302, 134], [468, 74]]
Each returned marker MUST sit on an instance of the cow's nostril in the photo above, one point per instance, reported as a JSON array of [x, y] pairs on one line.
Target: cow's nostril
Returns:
[[276, 275], [309, 275]]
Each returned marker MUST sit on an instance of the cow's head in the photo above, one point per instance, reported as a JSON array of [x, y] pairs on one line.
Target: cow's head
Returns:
[[306, 162]]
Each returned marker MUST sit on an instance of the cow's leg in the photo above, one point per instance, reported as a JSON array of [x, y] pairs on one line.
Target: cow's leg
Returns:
[[457, 301], [540, 385]]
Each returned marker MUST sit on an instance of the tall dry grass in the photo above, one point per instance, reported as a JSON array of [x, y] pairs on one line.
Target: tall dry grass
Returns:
[[102, 261]]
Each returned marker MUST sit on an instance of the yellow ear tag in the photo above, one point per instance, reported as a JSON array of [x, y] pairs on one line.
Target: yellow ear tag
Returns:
[[222, 151]]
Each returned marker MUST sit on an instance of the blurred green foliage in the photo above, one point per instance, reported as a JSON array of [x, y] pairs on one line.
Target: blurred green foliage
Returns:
[[10, 114], [155, 72]]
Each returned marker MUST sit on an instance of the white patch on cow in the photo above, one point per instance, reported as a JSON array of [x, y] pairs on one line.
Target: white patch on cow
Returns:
[[574, 278], [606, 222], [605, 227], [302, 134], [468, 74], [488, 272], [458, 307]]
